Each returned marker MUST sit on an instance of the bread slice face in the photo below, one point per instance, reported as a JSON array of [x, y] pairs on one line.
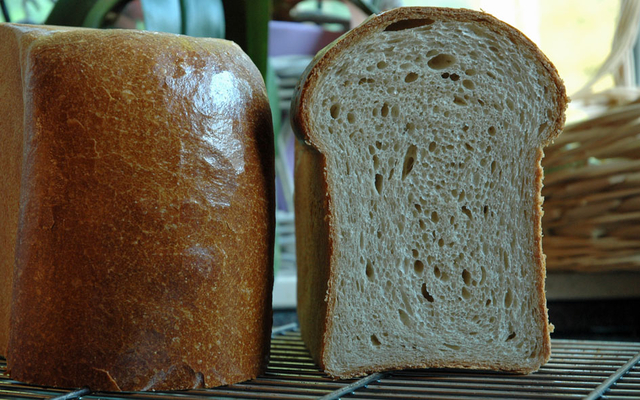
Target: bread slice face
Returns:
[[418, 202]]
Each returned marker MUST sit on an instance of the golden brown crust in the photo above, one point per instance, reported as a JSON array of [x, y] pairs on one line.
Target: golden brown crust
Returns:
[[302, 125], [145, 238], [432, 364], [11, 130], [10, 123], [313, 250], [540, 259]]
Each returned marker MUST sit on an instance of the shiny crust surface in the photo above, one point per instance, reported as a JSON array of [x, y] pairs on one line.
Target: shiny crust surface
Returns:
[[146, 225], [303, 127]]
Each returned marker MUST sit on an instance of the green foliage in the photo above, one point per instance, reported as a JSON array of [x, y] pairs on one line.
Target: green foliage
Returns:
[[203, 18], [87, 13]]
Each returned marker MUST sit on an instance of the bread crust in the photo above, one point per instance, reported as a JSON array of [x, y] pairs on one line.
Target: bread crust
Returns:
[[312, 214], [145, 238], [303, 127], [11, 121]]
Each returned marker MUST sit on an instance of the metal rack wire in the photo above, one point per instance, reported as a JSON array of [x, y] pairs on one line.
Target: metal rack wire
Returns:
[[577, 370]]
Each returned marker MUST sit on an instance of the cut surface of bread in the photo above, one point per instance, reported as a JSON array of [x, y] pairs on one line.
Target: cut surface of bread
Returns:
[[418, 200]]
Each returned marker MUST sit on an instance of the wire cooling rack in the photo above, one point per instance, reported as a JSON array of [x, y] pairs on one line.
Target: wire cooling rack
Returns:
[[577, 370]]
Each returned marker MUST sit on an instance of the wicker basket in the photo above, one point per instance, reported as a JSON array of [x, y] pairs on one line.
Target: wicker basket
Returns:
[[592, 194]]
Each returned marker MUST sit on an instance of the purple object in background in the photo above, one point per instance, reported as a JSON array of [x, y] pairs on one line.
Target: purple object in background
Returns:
[[287, 38], [291, 43]]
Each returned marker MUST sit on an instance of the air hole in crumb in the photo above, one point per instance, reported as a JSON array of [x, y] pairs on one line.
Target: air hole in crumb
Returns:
[[381, 64], [470, 72], [409, 24], [441, 242], [510, 104], [415, 252], [437, 272], [432, 146], [410, 127], [384, 111], [375, 341], [452, 346], [511, 336], [459, 101], [335, 111], [395, 111], [426, 294], [467, 212], [418, 266], [542, 127], [508, 299], [441, 61], [549, 113], [379, 183], [492, 130], [468, 84], [493, 166], [418, 207], [409, 161], [454, 77], [468, 147], [445, 75], [434, 216], [362, 81], [369, 271], [466, 277], [465, 293], [351, 118], [404, 317], [411, 77]]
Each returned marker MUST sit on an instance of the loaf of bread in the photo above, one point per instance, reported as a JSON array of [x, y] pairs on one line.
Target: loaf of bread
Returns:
[[138, 208], [417, 196]]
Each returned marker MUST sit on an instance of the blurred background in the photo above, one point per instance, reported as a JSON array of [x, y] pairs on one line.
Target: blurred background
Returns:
[[592, 183]]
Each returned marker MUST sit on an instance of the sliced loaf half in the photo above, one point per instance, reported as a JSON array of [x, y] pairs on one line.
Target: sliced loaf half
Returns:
[[418, 200]]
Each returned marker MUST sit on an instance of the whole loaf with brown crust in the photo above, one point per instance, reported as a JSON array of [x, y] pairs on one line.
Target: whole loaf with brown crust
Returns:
[[137, 210]]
